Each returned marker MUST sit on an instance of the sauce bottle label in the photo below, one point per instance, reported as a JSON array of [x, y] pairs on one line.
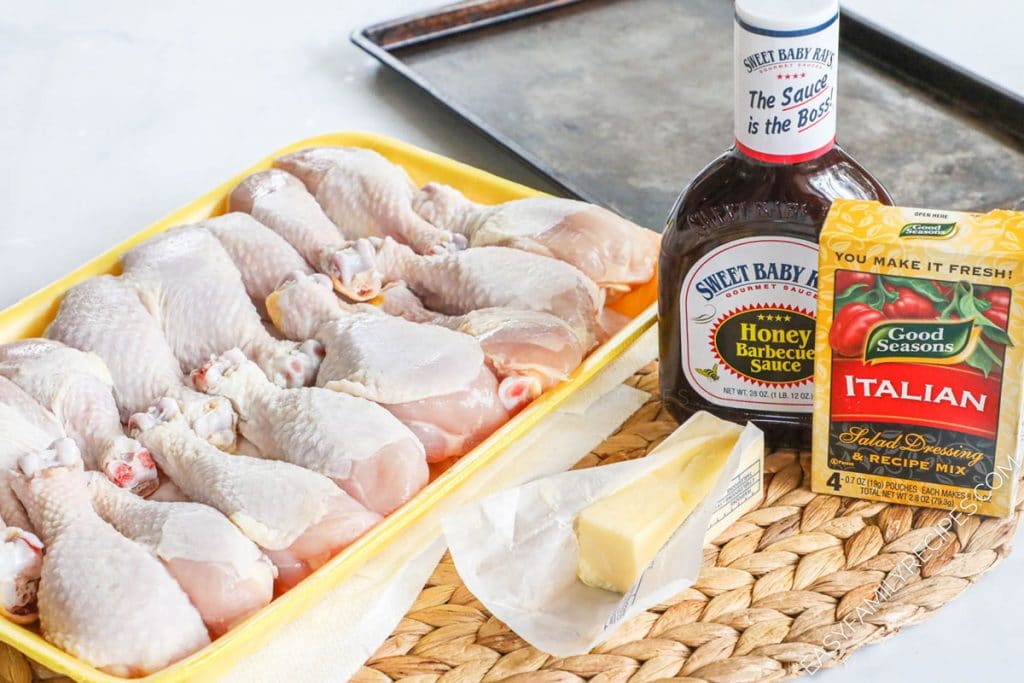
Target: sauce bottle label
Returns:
[[747, 324], [785, 90]]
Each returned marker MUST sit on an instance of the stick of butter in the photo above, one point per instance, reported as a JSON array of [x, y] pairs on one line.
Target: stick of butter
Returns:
[[621, 533]]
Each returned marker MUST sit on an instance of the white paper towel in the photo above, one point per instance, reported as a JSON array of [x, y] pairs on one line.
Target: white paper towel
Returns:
[[331, 641]]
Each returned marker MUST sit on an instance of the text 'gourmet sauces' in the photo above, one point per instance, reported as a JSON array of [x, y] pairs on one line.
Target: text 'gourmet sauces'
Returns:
[[738, 272], [919, 357]]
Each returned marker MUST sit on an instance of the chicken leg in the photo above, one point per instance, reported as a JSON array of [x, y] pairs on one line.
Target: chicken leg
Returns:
[[77, 388], [21, 562], [102, 598], [25, 427], [224, 574], [262, 256], [611, 251], [367, 196], [281, 202], [103, 315], [432, 379], [482, 277], [515, 342], [190, 285], [299, 517], [362, 447]]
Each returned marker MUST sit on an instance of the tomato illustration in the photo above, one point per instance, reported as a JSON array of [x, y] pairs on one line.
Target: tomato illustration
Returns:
[[997, 297], [943, 288], [851, 326], [909, 305], [999, 311], [848, 278], [998, 316]]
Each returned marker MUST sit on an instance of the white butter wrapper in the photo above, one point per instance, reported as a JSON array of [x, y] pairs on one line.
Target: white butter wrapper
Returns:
[[517, 551], [744, 493]]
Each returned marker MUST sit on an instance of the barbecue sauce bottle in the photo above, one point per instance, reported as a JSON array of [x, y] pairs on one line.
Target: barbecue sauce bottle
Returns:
[[739, 256]]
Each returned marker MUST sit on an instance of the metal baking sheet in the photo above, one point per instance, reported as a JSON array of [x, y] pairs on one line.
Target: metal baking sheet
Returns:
[[621, 102]]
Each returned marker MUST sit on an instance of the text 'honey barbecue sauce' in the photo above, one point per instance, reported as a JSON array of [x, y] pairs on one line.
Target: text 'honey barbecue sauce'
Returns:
[[739, 257]]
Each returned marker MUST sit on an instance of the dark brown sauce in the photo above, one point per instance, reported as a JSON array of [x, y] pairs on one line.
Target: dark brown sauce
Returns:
[[732, 198]]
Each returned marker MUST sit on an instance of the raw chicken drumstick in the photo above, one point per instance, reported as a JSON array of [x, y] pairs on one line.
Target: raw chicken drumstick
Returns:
[[77, 388], [281, 202], [103, 315], [262, 256], [482, 277], [191, 286], [277, 435], [300, 518], [224, 574], [611, 251], [248, 241], [515, 342], [25, 427], [360, 446], [432, 379], [21, 562], [102, 598], [367, 196]]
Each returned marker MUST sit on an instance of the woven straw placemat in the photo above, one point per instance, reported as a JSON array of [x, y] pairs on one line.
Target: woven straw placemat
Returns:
[[796, 585]]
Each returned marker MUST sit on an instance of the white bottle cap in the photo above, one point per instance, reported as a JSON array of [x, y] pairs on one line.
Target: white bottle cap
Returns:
[[785, 78], [786, 15]]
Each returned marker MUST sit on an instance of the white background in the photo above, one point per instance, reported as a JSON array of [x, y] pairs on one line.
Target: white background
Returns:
[[115, 113]]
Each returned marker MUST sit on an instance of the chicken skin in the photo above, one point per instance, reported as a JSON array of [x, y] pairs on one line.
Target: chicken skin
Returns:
[[191, 286], [460, 282], [224, 574], [77, 388], [263, 257], [359, 445], [613, 252], [433, 379], [103, 315], [517, 343], [300, 518], [102, 598], [366, 195]]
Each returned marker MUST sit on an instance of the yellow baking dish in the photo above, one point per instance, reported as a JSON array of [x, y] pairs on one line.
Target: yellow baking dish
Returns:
[[30, 316]]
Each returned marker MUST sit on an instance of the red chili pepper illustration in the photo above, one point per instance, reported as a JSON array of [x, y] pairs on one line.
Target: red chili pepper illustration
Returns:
[[848, 278], [850, 328], [910, 305]]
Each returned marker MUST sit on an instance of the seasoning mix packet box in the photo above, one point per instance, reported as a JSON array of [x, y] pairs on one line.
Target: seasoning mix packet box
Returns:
[[918, 357]]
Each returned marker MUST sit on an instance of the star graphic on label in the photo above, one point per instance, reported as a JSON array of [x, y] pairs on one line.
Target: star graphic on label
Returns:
[[760, 316], [788, 318]]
